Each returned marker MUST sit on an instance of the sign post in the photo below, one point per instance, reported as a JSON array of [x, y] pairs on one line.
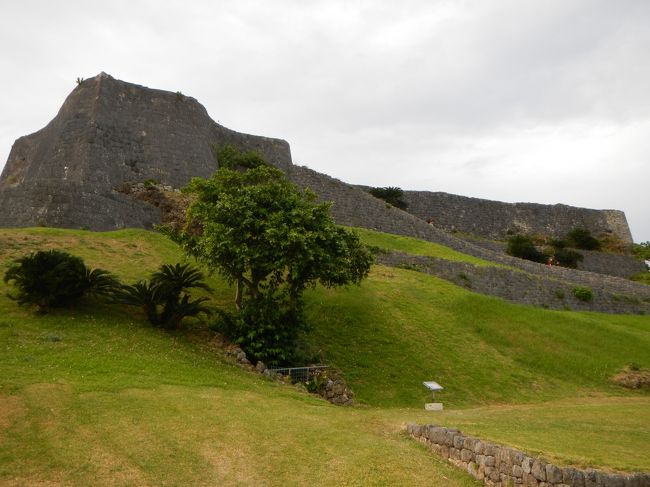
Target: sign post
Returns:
[[433, 387]]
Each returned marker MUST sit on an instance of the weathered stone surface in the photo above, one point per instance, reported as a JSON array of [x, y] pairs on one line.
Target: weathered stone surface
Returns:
[[458, 442], [529, 480], [469, 443], [538, 470], [572, 476], [490, 461], [109, 132], [466, 455], [527, 464], [612, 480], [553, 474], [479, 447], [496, 220], [509, 466], [539, 286]]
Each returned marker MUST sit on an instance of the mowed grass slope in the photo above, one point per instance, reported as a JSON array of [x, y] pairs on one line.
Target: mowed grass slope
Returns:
[[95, 392], [95, 396]]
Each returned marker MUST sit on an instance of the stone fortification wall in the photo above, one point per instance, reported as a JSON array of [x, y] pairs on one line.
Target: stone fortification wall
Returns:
[[107, 133], [611, 264], [495, 219], [548, 290], [599, 262], [354, 207], [502, 466]]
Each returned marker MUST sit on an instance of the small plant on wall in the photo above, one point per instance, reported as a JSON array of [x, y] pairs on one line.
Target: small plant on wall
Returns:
[[524, 248], [391, 195], [583, 294], [581, 238]]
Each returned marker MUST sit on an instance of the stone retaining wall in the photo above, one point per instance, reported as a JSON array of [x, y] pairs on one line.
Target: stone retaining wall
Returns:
[[599, 262], [612, 264], [502, 466], [549, 289], [354, 207], [496, 219]]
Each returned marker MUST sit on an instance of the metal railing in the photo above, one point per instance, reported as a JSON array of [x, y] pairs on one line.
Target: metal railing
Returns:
[[298, 374]]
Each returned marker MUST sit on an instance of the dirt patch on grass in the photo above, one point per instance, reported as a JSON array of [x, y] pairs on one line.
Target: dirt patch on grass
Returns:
[[233, 464], [112, 469], [633, 378], [32, 482], [11, 408]]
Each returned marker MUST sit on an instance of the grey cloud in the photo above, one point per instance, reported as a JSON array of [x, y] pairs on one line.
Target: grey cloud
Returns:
[[434, 93]]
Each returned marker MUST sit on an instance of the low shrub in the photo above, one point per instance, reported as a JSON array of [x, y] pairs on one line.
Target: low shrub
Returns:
[[391, 195], [164, 299], [583, 293], [54, 278], [581, 238], [568, 258], [229, 157], [524, 248], [268, 330], [642, 250]]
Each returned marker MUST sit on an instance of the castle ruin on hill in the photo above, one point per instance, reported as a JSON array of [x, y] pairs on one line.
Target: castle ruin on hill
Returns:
[[109, 133]]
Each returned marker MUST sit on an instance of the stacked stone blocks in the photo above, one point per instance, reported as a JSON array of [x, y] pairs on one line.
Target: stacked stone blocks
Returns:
[[501, 466]]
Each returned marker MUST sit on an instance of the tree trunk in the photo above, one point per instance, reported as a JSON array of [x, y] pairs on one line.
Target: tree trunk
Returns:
[[238, 293]]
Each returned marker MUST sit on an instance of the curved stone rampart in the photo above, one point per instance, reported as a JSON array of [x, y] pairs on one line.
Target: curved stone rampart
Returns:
[[545, 289], [496, 219]]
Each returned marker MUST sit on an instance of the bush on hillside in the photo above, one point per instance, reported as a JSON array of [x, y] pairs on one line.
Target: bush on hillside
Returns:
[[390, 195], [642, 250], [524, 248], [53, 278], [568, 258], [164, 299], [229, 157], [581, 238], [268, 329]]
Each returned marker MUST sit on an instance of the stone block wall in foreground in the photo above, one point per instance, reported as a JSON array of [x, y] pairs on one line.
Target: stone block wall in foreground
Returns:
[[503, 466]]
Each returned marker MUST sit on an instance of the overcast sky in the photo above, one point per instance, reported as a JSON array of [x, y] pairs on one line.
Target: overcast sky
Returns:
[[545, 101]]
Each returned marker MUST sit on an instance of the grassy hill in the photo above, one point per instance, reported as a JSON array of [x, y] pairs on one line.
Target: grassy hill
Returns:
[[94, 395]]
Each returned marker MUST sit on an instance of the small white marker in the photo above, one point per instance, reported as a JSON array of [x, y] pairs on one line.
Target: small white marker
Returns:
[[433, 387]]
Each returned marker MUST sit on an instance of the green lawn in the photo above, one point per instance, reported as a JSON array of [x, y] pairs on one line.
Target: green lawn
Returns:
[[402, 327], [409, 245], [96, 401], [93, 395]]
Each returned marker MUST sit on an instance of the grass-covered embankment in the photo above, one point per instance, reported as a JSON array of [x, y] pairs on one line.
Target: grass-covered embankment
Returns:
[[96, 393]]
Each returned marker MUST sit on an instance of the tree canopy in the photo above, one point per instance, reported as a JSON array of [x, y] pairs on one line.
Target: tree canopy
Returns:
[[272, 241]]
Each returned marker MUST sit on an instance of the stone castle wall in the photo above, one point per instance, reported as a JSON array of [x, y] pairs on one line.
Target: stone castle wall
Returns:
[[547, 288], [600, 262], [502, 466], [107, 133], [496, 220]]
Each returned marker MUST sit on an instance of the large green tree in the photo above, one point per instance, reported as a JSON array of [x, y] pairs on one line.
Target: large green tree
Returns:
[[272, 241]]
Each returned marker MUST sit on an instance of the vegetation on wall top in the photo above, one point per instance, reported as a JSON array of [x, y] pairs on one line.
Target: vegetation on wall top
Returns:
[[391, 195]]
